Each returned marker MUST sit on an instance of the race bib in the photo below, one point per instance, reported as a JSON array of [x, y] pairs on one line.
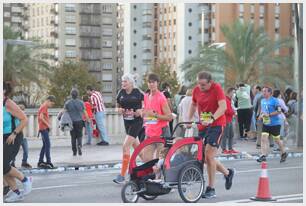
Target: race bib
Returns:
[[129, 115], [266, 120], [150, 120], [206, 117]]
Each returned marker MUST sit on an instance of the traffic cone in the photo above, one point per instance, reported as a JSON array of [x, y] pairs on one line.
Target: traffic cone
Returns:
[[263, 190]]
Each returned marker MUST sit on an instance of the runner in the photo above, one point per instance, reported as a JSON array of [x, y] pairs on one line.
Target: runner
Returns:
[[157, 115], [270, 115], [129, 104], [208, 97]]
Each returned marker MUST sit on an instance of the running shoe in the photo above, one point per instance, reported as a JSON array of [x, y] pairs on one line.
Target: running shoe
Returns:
[[119, 179], [26, 165], [14, 197], [232, 151], [284, 157], [229, 179], [225, 151], [27, 186], [6, 189], [262, 158], [209, 193]]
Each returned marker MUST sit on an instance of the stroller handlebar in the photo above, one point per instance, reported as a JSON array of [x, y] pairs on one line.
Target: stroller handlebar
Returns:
[[183, 123]]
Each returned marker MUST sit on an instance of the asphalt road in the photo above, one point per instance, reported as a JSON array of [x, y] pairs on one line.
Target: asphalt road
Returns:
[[286, 184]]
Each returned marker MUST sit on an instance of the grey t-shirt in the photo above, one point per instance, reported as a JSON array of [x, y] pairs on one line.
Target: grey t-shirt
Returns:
[[75, 108]]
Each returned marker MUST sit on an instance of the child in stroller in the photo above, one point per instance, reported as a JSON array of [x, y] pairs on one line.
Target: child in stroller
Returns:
[[157, 168]]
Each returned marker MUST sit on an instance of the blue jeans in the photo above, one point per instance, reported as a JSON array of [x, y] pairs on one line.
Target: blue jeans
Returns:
[[100, 116], [45, 150], [25, 149], [88, 131]]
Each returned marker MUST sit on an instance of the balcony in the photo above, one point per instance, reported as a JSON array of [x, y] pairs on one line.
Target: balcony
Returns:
[[54, 34], [54, 9]]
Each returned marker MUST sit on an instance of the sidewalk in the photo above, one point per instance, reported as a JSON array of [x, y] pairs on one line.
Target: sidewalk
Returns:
[[93, 155]]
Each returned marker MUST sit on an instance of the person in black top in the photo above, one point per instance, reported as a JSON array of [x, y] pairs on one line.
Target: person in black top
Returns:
[[129, 104], [166, 92]]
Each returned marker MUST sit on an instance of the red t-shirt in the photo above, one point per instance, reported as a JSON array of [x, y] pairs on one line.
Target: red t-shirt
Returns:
[[43, 109], [207, 101], [229, 113], [88, 110]]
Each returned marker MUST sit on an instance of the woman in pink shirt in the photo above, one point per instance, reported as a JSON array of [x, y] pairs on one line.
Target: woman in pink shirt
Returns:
[[156, 113]]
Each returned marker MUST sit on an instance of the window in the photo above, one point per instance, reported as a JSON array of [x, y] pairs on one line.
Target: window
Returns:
[[135, 31], [134, 56], [262, 9], [70, 7], [190, 10], [107, 43], [189, 51], [70, 30], [174, 21], [70, 53], [241, 9], [189, 24], [134, 69], [107, 21], [107, 77], [135, 19], [190, 37], [107, 66], [42, 21], [135, 44], [70, 42], [252, 8], [70, 18], [174, 8], [107, 32], [7, 14], [135, 7], [174, 47], [107, 55]]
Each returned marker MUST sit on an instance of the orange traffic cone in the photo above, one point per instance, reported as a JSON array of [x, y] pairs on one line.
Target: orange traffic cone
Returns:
[[263, 190]]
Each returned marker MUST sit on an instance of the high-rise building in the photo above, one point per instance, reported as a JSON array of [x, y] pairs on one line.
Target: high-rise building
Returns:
[[86, 32], [15, 16]]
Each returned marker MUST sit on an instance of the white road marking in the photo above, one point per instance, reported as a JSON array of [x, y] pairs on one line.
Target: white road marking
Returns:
[[53, 187], [280, 198]]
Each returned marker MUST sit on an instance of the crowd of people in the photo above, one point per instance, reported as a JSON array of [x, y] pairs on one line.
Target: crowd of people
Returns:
[[263, 115]]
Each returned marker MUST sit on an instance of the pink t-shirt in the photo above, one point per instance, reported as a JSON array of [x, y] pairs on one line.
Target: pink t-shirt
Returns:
[[154, 127]]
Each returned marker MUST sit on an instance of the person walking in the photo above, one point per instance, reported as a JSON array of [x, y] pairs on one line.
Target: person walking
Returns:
[[167, 92], [208, 97], [14, 121], [44, 127], [244, 110], [228, 134], [75, 108], [270, 115], [157, 115], [99, 113], [25, 148], [129, 104], [88, 125]]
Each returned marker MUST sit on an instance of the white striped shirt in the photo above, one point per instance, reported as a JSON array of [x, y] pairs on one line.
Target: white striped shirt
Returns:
[[97, 101]]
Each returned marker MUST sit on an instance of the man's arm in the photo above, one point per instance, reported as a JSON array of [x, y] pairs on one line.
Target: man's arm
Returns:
[[221, 109], [42, 117]]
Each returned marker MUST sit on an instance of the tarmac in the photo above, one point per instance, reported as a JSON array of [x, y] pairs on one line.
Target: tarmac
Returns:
[[103, 157]]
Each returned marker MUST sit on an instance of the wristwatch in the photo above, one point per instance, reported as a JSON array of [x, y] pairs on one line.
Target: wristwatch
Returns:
[[212, 116]]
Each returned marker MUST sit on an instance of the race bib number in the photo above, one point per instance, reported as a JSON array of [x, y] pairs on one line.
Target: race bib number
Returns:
[[150, 120], [266, 120], [206, 117], [129, 115]]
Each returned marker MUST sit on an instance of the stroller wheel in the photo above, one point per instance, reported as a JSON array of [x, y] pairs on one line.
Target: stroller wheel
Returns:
[[129, 193], [148, 197], [191, 184]]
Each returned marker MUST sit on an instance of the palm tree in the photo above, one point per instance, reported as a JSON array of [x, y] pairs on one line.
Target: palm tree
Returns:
[[24, 64], [248, 57]]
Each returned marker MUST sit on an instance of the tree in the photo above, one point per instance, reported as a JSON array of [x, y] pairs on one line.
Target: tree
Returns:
[[24, 64], [68, 75], [249, 55], [165, 74]]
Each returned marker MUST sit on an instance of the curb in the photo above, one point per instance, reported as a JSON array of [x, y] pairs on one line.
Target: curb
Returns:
[[117, 165]]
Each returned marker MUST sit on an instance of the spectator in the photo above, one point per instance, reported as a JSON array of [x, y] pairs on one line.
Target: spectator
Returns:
[[88, 125], [244, 110], [14, 120], [25, 148], [44, 128], [99, 112], [167, 93], [287, 94], [157, 115], [292, 104], [228, 134], [183, 109], [178, 98], [75, 107]]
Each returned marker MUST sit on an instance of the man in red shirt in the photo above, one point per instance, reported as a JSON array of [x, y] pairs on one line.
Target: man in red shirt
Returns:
[[208, 97], [44, 128]]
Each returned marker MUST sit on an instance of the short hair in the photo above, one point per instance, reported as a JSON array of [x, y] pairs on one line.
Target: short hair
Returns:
[[165, 85], [85, 98], [7, 86], [89, 88], [74, 93], [183, 90], [153, 77], [258, 87], [230, 89], [129, 77], [276, 93], [51, 98], [293, 95], [204, 75], [241, 85]]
